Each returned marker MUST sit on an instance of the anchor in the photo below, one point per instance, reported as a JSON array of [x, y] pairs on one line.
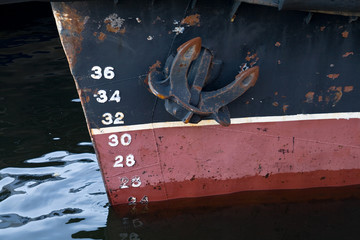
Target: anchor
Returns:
[[184, 77]]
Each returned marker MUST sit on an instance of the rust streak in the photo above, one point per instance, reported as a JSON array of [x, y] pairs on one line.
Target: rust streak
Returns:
[[71, 25], [192, 20]]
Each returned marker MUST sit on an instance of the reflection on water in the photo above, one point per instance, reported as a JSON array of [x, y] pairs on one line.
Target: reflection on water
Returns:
[[50, 184], [66, 193]]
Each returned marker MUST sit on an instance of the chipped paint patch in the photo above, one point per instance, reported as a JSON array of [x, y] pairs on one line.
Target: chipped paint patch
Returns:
[[333, 76], [336, 94], [102, 36], [320, 98], [149, 38], [191, 20], [277, 44], [155, 66], [322, 28], [114, 23], [285, 108], [178, 30], [309, 97], [275, 104], [250, 57], [347, 54], [348, 88], [345, 34]]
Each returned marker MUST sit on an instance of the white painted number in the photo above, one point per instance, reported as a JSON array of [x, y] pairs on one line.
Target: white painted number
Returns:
[[131, 236], [135, 181], [114, 141], [130, 161], [115, 97], [97, 72], [109, 73], [125, 139], [119, 116], [118, 161], [108, 118], [102, 97], [124, 181]]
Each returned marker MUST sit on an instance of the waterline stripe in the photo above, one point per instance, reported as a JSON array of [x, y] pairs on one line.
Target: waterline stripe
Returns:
[[286, 118]]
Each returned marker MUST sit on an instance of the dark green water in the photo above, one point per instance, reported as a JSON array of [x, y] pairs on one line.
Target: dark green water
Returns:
[[50, 184]]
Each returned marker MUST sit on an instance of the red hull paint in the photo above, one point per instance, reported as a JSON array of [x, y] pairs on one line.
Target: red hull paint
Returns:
[[181, 162]]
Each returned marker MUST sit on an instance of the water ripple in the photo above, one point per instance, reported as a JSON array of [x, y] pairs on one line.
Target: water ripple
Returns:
[[31, 197]]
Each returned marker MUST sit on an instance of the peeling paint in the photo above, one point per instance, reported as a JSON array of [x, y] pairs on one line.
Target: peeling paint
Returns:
[[114, 23], [347, 54], [348, 88], [333, 76], [285, 107], [155, 66], [102, 36], [157, 19], [192, 20], [337, 94], [178, 30], [309, 97], [251, 57]]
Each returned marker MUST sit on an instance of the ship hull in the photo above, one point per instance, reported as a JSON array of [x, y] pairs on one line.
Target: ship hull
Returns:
[[297, 128]]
